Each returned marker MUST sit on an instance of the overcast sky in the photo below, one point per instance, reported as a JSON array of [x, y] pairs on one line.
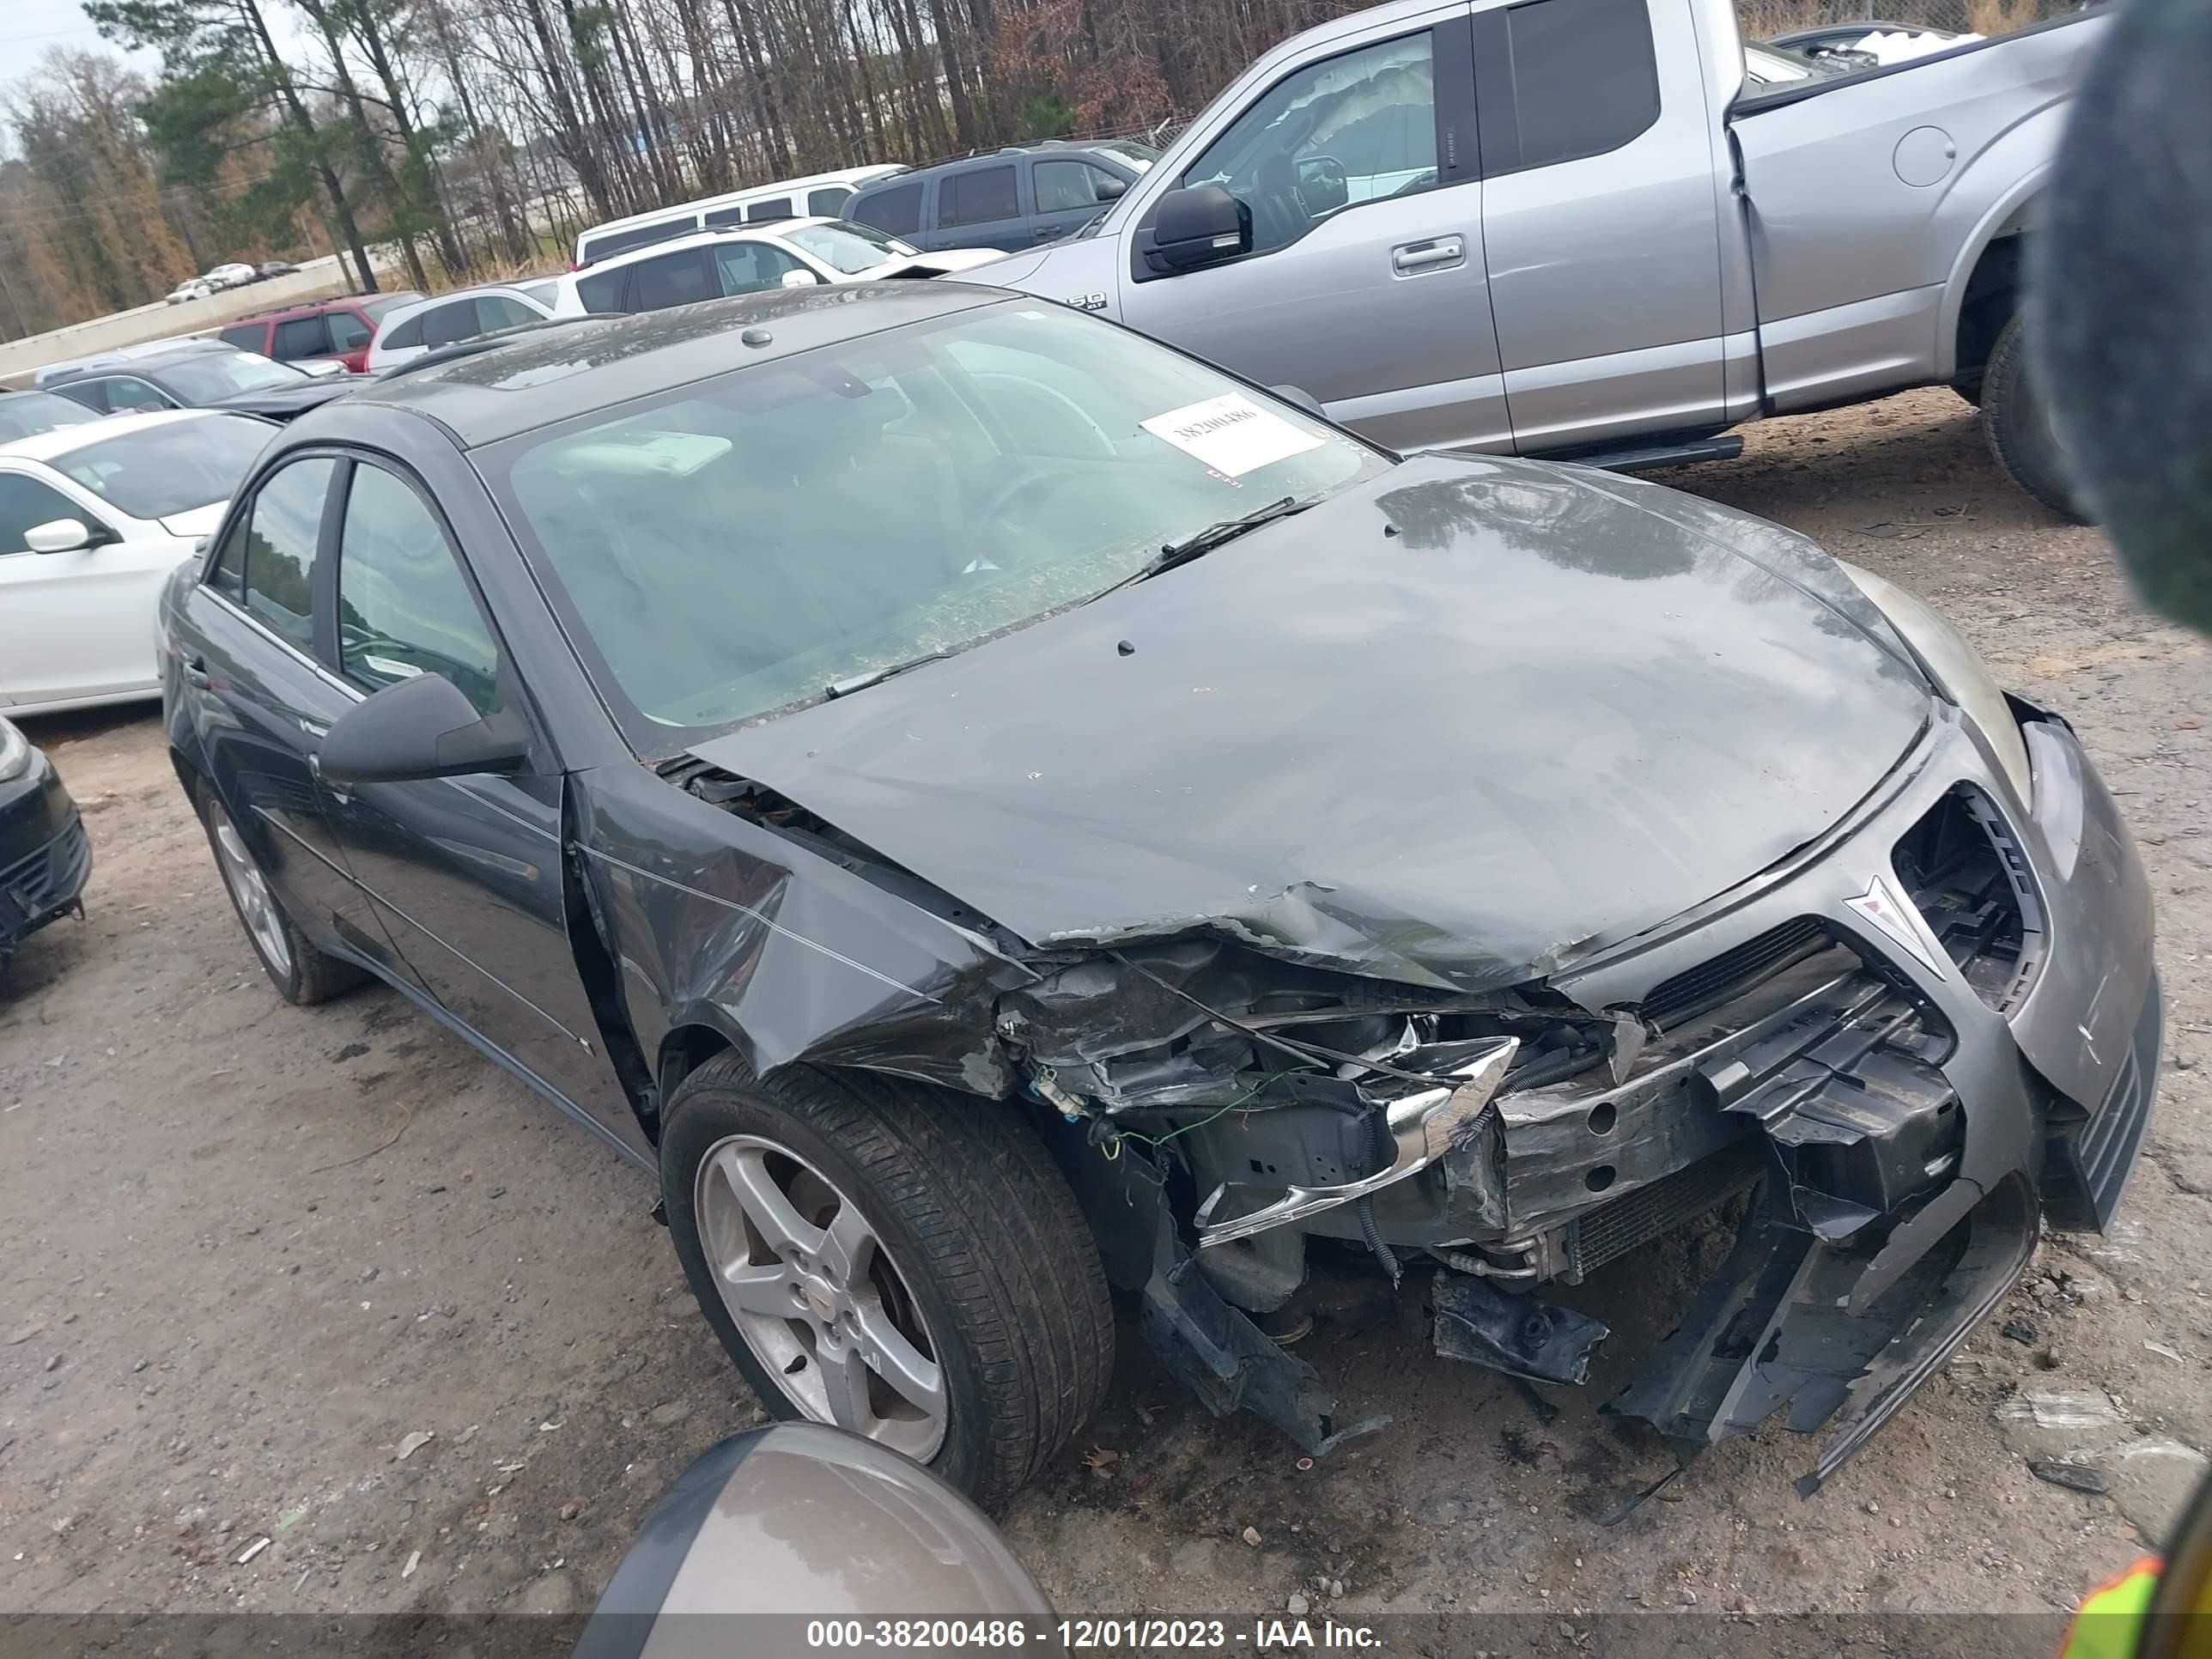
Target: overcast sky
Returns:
[[28, 27]]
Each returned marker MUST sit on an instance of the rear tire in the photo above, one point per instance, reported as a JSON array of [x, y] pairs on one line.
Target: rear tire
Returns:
[[302, 973], [2017, 422], [973, 1270]]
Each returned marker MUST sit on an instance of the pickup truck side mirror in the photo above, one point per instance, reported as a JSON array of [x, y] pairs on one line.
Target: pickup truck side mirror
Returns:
[[66, 536], [422, 727], [1112, 189], [801, 279], [1199, 226]]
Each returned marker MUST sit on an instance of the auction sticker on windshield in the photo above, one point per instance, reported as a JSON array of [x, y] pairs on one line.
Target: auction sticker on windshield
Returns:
[[1232, 435]]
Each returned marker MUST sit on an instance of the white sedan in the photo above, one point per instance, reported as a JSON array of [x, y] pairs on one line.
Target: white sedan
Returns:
[[231, 276], [711, 264], [192, 288], [93, 518]]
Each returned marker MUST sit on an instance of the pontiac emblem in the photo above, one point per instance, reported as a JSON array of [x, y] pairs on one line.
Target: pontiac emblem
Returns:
[[1885, 905]]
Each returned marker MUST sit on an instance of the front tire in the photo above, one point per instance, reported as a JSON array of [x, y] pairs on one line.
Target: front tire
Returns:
[[903, 1261], [302, 973], [2016, 420]]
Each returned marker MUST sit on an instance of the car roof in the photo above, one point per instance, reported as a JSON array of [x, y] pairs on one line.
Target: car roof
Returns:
[[749, 194], [52, 445], [546, 375], [706, 237], [319, 307], [1056, 149], [139, 360], [415, 307]]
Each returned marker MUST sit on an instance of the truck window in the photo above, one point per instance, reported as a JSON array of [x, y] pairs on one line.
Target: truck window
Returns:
[[981, 196], [1349, 130], [897, 210], [1585, 79]]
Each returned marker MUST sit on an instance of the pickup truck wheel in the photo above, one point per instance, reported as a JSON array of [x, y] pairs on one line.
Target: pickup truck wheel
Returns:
[[302, 974], [2018, 422], [904, 1261]]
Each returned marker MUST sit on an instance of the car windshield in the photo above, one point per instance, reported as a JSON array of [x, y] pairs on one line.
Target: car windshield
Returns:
[[29, 413], [1138, 156], [733, 548], [227, 374], [846, 248], [175, 467]]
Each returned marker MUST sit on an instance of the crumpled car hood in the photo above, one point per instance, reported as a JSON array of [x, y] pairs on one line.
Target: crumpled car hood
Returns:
[[1545, 709]]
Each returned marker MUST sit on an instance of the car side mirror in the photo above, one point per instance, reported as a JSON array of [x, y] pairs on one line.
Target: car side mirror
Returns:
[[66, 536], [1112, 189], [422, 727], [1198, 226], [801, 279], [1303, 398]]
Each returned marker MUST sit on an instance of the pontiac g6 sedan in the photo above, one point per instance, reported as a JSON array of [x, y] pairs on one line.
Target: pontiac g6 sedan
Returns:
[[987, 807]]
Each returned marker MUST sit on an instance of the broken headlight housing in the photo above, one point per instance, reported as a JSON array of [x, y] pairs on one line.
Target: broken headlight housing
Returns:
[[1958, 671], [15, 752]]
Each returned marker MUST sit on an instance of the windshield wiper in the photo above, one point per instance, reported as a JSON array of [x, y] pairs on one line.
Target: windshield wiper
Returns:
[[1205, 541], [845, 687]]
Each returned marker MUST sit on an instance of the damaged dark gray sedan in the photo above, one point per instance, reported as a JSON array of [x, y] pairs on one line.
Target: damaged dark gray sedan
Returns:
[[987, 807]]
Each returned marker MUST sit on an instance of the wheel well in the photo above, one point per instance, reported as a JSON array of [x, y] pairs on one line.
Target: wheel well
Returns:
[[683, 1051], [1992, 294]]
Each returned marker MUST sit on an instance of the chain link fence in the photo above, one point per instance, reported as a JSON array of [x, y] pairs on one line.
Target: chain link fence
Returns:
[[1762, 20]]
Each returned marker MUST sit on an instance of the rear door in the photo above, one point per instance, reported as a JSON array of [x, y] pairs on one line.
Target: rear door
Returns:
[[74, 625], [260, 703], [670, 279], [1600, 223], [1365, 284], [465, 873], [980, 206], [301, 337]]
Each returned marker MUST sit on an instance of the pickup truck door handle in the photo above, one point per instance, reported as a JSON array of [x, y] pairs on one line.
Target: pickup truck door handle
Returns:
[[195, 674], [1432, 255]]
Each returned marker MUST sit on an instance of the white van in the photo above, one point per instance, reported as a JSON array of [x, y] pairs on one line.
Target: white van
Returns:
[[818, 196]]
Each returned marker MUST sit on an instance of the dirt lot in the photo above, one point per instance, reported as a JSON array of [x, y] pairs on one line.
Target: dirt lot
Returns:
[[248, 1252]]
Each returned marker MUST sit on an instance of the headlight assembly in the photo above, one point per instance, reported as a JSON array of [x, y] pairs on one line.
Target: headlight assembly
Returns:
[[1957, 671], [16, 752]]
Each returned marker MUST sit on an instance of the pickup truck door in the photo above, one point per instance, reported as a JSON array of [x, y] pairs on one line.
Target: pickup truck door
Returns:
[[1601, 219], [1869, 196], [1365, 282]]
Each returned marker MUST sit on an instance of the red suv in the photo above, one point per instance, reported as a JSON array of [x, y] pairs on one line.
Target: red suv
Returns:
[[340, 328]]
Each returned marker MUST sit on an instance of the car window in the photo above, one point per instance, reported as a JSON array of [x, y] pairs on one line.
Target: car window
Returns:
[[404, 336], [225, 373], [228, 575], [602, 291], [128, 393], [1585, 80], [829, 202], [977, 197], [544, 293], [93, 394], [1353, 129], [404, 607], [281, 537], [349, 331], [26, 413], [621, 242], [778, 206], [301, 337], [247, 337], [897, 210], [848, 249], [733, 547], [728, 216], [443, 326], [1062, 186], [750, 267], [498, 311], [179, 466], [26, 503], [673, 279]]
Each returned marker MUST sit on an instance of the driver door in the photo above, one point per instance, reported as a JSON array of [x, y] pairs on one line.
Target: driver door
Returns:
[[1365, 284]]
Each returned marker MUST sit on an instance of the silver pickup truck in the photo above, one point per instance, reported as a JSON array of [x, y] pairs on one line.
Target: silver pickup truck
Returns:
[[1579, 227]]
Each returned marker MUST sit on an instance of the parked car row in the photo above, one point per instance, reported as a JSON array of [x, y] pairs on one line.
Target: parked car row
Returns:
[[229, 276]]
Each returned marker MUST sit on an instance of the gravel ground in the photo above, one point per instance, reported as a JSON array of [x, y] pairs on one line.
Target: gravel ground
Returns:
[[250, 1255]]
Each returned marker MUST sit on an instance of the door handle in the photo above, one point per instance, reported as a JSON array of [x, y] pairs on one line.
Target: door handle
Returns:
[[195, 674], [1432, 255]]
